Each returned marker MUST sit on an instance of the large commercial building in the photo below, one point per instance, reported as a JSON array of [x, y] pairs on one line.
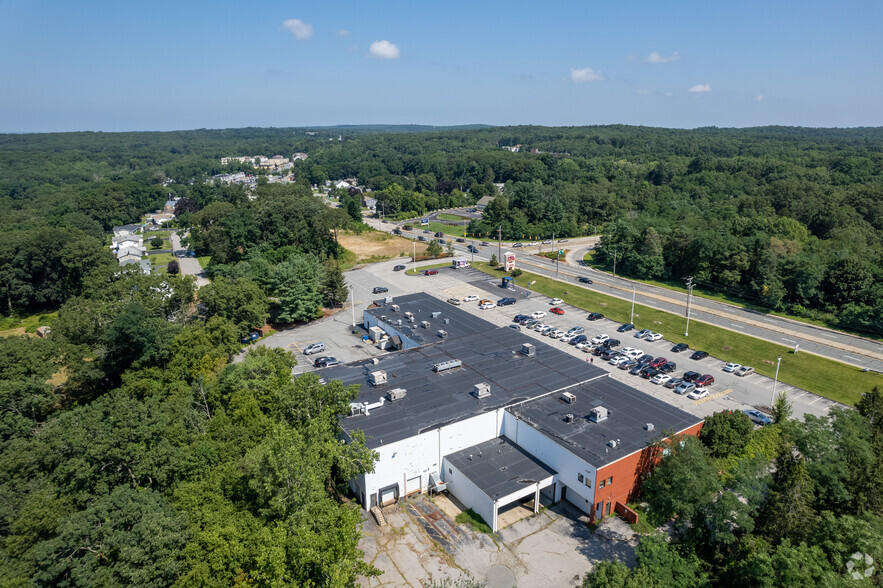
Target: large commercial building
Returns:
[[494, 416]]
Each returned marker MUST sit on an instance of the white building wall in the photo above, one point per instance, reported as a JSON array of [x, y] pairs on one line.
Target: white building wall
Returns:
[[470, 495], [568, 465]]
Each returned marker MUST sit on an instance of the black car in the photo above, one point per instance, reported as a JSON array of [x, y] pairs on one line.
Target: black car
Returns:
[[473, 248], [322, 362], [597, 351], [396, 232], [441, 241], [645, 359], [680, 347], [380, 289], [625, 328], [607, 354], [627, 365], [611, 343], [578, 339], [421, 238], [667, 368], [484, 243], [460, 240], [439, 234], [398, 268], [690, 376], [586, 281], [593, 316], [648, 372], [520, 317], [505, 301], [699, 355]]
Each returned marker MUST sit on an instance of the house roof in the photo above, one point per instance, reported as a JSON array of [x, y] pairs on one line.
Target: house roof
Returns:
[[485, 200], [499, 467]]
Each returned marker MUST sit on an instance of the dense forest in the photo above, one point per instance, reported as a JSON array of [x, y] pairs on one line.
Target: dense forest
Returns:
[[132, 451]]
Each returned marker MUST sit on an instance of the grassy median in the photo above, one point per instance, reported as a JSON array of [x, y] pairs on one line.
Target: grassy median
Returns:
[[826, 377]]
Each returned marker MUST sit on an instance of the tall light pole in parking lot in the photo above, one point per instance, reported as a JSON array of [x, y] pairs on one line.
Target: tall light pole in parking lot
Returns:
[[689, 299], [414, 258], [353, 304], [775, 381]]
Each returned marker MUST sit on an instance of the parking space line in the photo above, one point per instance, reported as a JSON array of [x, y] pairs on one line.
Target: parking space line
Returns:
[[816, 400], [714, 396], [801, 395]]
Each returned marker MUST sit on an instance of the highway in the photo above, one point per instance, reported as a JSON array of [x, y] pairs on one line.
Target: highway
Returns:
[[849, 349]]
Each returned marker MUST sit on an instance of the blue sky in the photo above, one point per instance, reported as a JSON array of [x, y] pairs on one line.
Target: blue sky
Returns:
[[163, 65]]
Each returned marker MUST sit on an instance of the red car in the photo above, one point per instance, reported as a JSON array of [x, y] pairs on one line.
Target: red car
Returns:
[[706, 380], [658, 362], [430, 272], [556, 310]]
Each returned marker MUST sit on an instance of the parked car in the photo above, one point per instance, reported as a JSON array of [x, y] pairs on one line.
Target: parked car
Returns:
[[543, 329], [556, 334], [253, 336], [625, 328], [421, 238], [322, 362], [757, 417], [484, 244], [314, 348], [610, 343], [704, 380], [398, 268], [585, 346], [698, 394], [516, 327], [585, 280], [380, 289], [731, 367], [745, 370], [660, 379], [470, 298], [520, 317], [619, 359], [556, 301], [538, 314], [699, 355], [685, 388], [460, 240], [633, 353], [577, 330], [565, 338], [648, 373], [454, 301], [673, 383], [505, 301], [679, 347], [593, 316], [653, 337], [577, 339], [690, 376], [657, 362], [642, 333], [608, 354], [530, 323], [629, 365], [668, 367], [473, 248], [635, 368], [645, 359], [487, 306], [556, 310], [439, 234], [430, 272]]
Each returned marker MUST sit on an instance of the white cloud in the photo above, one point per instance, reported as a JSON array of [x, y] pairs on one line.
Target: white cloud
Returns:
[[586, 74], [301, 30], [383, 50], [700, 88], [342, 33], [655, 57], [642, 92], [759, 97]]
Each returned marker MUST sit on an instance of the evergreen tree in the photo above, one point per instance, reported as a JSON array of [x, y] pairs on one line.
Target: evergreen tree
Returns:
[[788, 511], [334, 290]]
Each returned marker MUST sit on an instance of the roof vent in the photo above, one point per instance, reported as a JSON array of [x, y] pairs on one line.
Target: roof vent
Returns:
[[649, 426], [598, 414], [613, 443], [528, 349], [396, 394], [442, 334], [377, 378], [399, 322], [394, 307], [568, 418], [447, 365], [568, 398], [388, 300], [409, 316], [482, 390], [446, 321], [424, 324], [435, 314], [383, 317]]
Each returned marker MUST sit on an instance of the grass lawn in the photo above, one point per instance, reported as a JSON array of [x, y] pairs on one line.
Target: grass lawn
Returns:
[[735, 301], [452, 217], [204, 261], [419, 270], [446, 229], [160, 259], [823, 376], [13, 325], [474, 520]]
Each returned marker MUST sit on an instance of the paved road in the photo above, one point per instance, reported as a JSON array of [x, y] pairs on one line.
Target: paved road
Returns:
[[850, 349], [189, 265]]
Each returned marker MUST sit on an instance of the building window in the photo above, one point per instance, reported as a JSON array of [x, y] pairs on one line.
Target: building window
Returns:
[[580, 478], [601, 484], [608, 507], [450, 472], [588, 482], [609, 480]]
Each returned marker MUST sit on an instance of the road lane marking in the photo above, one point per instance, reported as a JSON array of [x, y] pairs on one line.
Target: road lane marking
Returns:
[[737, 326], [788, 340], [852, 358]]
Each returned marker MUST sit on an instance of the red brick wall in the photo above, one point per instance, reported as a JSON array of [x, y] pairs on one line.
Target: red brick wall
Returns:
[[626, 474]]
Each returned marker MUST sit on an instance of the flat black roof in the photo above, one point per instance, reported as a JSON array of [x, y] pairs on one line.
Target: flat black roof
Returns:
[[489, 354], [421, 306], [499, 467], [629, 411]]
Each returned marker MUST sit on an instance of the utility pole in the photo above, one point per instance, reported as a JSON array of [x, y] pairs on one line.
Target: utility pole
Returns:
[[632, 319], [775, 381], [689, 299]]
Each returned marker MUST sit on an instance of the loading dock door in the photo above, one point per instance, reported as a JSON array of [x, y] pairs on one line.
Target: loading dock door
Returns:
[[412, 485], [389, 495]]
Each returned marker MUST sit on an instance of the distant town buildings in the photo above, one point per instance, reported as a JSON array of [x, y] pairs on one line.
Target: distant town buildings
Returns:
[[277, 162]]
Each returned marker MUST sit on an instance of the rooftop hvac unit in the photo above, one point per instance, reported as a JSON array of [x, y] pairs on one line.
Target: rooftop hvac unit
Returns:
[[446, 321], [613, 443], [447, 365], [598, 414], [377, 378], [568, 418], [424, 324], [442, 334], [399, 322], [388, 300], [482, 390], [435, 314], [394, 307], [568, 398], [528, 349], [409, 316], [383, 317], [650, 426], [396, 394]]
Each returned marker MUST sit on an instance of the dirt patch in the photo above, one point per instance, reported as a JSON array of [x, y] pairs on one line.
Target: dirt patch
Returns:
[[13, 332], [372, 244]]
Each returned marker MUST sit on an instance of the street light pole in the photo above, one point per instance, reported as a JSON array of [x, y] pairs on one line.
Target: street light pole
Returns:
[[414, 258], [689, 300], [353, 304], [632, 319], [775, 381]]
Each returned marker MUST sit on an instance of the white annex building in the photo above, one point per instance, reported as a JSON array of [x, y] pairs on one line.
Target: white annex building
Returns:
[[495, 417]]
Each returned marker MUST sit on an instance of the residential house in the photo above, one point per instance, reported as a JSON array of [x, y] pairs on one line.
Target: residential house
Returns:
[[342, 184], [160, 218], [128, 258], [126, 230], [127, 241], [299, 156]]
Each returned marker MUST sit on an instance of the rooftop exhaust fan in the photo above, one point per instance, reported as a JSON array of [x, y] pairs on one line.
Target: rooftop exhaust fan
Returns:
[[568, 418], [447, 365]]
